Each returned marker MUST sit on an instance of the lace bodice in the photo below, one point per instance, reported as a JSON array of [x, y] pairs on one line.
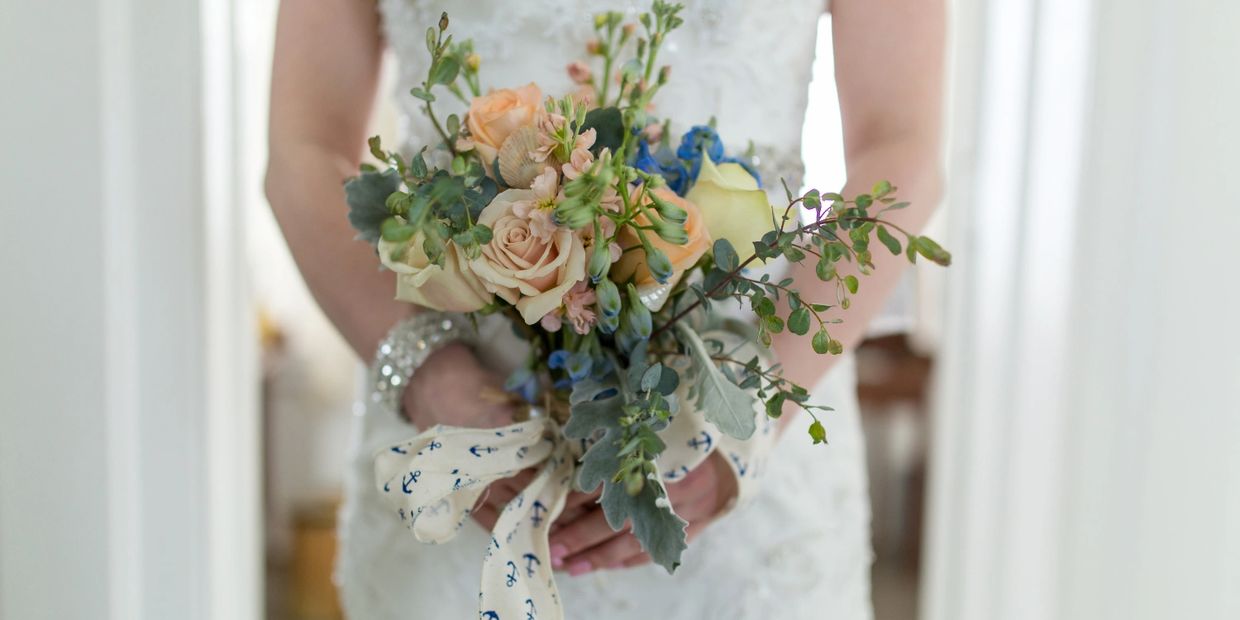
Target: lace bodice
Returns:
[[745, 63]]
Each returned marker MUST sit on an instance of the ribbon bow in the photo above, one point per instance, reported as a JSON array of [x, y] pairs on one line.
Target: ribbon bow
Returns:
[[434, 480]]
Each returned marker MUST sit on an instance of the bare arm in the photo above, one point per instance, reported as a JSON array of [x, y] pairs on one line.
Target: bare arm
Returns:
[[325, 73], [326, 70], [889, 57]]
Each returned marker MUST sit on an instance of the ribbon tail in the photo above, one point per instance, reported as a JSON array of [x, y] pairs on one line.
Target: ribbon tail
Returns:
[[434, 479], [517, 577]]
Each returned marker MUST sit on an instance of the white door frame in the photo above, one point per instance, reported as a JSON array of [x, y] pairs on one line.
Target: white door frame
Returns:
[[128, 431]]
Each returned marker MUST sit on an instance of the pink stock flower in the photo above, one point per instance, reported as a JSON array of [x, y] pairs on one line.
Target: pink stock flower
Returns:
[[539, 207], [549, 126], [579, 72], [581, 158], [577, 308]]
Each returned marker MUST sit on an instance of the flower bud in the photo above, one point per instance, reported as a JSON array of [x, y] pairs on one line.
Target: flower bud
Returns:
[[573, 213], [473, 61], [629, 29], [637, 316], [594, 47], [670, 232], [608, 294], [579, 72], [600, 260], [600, 20], [664, 74], [659, 264], [608, 324], [667, 210]]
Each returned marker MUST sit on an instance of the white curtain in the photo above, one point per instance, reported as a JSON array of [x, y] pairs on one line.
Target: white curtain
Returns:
[[1087, 451], [128, 440]]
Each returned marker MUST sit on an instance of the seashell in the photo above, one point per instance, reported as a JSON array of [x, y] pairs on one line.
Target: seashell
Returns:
[[516, 161]]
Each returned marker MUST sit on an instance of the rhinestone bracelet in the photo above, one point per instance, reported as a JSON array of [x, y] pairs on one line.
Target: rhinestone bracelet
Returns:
[[405, 348]]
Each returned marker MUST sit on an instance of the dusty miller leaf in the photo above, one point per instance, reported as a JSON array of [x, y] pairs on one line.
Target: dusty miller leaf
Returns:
[[722, 402], [367, 196], [660, 531], [598, 406]]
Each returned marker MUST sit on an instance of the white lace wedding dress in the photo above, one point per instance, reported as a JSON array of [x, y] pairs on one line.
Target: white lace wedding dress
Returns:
[[801, 549]]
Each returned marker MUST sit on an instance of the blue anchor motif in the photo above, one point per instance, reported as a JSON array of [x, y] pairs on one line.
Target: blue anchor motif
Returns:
[[706, 440], [538, 509], [387, 487], [521, 451], [401, 512], [531, 561], [519, 500], [741, 467], [399, 450], [434, 445], [511, 577], [677, 474], [456, 486], [475, 449], [499, 433], [488, 615], [530, 611], [410, 478]]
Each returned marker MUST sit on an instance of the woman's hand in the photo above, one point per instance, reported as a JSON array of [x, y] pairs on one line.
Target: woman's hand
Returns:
[[581, 540], [454, 389]]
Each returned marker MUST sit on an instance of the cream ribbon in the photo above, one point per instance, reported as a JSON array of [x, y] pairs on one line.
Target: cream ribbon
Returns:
[[434, 480]]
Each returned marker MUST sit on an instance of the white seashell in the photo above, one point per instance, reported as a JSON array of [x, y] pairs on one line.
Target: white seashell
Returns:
[[516, 162]]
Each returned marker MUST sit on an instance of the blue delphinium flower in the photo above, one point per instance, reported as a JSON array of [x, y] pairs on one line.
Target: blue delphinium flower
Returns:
[[524, 383], [578, 366], [664, 163], [698, 141]]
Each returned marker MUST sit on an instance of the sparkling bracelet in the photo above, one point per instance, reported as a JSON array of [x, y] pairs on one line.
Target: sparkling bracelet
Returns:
[[405, 348]]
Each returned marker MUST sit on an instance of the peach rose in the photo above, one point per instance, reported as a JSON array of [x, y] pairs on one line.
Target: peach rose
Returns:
[[450, 288], [632, 264], [532, 273], [494, 116]]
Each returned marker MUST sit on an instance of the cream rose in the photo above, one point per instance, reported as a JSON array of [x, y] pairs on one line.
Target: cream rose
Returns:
[[494, 116], [732, 204], [450, 288], [533, 274]]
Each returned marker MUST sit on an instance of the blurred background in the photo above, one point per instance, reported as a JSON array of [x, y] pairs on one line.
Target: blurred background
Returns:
[[1053, 424]]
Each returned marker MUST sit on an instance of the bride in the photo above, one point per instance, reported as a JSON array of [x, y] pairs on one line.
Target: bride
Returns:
[[800, 548]]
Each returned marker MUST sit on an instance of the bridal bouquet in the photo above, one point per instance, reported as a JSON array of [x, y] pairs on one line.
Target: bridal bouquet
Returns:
[[610, 245]]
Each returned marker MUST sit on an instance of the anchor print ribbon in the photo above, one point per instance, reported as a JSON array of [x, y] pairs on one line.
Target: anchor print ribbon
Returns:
[[434, 479]]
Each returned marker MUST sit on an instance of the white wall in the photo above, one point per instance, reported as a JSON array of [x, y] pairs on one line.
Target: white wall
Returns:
[[1088, 432], [125, 371]]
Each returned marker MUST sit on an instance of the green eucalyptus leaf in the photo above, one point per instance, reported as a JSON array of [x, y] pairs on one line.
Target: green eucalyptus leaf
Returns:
[[609, 127], [798, 321], [422, 94], [725, 256], [821, 342], [396, 230], [888, 240], [851, 282], [445, 71]]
